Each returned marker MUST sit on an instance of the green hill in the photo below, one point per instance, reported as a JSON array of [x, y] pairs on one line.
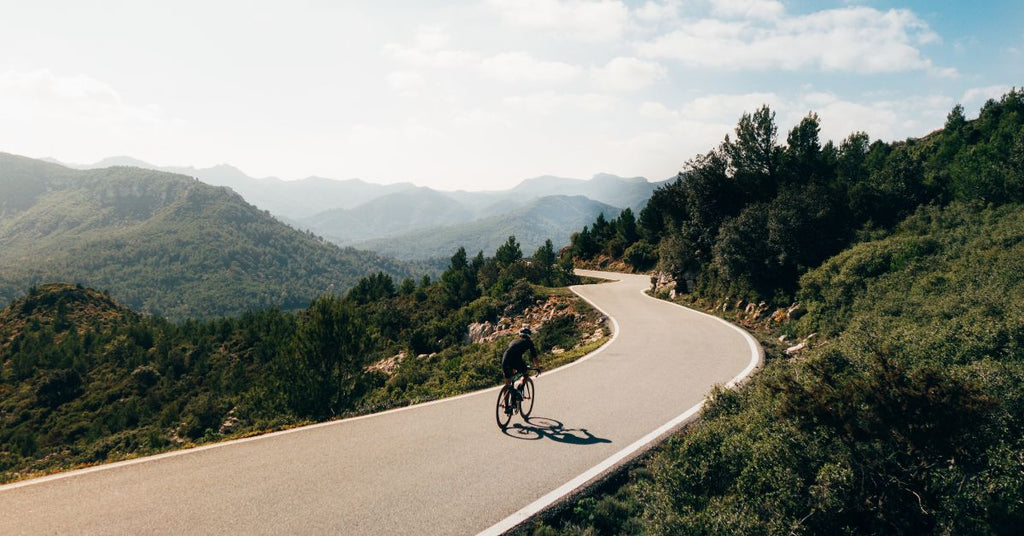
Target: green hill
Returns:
[[161, 243], [908, 422], [85, 379], [548, 217], [900, 410]]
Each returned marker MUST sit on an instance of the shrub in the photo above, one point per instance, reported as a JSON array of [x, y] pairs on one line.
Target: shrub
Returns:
[[59, 387]]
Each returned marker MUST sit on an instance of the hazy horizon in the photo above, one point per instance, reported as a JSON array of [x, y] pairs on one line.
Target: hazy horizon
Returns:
[[106, 162], [479, 95]]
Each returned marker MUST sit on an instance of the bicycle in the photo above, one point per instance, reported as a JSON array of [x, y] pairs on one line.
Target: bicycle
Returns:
[[512, 400]]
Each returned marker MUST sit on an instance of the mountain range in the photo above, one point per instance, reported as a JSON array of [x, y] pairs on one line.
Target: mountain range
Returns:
[[289, 200], [541, 219], [162, 243], [357, 213]]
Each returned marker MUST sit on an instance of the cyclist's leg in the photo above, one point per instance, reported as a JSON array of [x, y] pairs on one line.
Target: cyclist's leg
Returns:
[[509, 374], [522, 370], [508, 371]]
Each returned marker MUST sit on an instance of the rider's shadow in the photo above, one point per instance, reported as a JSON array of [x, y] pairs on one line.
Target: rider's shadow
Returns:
[[545, 428]]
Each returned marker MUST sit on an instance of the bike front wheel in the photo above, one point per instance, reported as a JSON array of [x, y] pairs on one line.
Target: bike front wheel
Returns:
[[526, 404], [501, 412]]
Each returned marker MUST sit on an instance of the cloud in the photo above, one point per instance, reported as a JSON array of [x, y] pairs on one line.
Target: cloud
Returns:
[[428, 50], [480, 117], [42, 94], [857, 39], [728, 108], [699, 124], [655, 12], [78, 118], [628, 74], [431, 38], [429, 58], [602, 20], [973, 98], [747, 9], [549, 102], [517, 67], [406, 83]]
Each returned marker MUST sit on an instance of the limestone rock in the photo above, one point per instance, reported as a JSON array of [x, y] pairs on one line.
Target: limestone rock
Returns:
[[795, 311], [796, 349]]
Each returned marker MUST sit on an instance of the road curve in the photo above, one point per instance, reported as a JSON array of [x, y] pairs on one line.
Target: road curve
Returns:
[[436, 468]]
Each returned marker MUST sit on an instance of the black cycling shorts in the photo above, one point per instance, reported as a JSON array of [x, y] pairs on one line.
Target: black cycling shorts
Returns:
[[510, 366]]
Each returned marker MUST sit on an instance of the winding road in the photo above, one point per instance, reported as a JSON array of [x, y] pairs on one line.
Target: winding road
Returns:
[[436, 468]]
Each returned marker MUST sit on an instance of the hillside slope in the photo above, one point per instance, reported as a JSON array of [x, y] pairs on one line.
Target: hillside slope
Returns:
[[548, 217], [161, 243], [389, 215], [899, 411]]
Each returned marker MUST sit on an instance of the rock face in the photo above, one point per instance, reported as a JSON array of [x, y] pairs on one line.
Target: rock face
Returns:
[[535, 316], [664, 282], [480, 331]]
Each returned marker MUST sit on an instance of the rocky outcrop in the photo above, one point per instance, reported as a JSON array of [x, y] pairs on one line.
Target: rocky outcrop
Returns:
[[388, 365], [662, 282], [536, 316], [479, 331]]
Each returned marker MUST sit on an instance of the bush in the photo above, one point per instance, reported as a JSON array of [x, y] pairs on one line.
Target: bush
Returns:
[[59, 387], [641, 256], [559, 331]]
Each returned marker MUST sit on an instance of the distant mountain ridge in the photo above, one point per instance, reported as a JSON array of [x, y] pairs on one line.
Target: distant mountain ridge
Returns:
[[544, 218], [351, 212], [161, 243], [389, 215], [290, 200], [613, 190]]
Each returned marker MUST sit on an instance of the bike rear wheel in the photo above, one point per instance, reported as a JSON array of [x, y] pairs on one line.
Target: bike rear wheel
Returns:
[[504, 401], [526, 403]]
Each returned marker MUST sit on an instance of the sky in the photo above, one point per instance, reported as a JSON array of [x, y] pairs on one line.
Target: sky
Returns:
[[480, 95]]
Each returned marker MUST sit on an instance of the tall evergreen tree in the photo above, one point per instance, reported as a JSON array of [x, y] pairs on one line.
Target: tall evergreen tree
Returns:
[[330, 340], [754, 156], [508, 253]]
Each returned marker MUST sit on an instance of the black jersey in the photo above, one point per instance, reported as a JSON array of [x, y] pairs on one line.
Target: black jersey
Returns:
[[517, 349]]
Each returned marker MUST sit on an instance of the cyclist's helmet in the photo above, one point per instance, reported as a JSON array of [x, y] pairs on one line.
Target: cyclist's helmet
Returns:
[[525, 332]]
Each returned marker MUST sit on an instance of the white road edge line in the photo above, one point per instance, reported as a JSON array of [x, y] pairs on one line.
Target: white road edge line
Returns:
[[514, 520], [184, 452]]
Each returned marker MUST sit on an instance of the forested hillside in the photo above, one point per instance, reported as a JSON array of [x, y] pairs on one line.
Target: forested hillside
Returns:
[[84, 379], [161, 243], [902, 414], [749, 217]]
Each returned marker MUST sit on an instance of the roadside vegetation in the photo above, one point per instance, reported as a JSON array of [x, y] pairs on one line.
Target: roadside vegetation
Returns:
[[902, 411], [86, 380]]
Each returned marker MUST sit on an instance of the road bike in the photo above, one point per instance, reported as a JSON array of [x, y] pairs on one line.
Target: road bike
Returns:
[[512, 400]]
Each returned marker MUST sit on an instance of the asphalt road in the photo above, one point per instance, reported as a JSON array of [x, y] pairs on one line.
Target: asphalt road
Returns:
[[437, 468]]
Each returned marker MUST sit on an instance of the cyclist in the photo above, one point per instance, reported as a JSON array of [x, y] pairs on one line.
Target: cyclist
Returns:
[[512, 360]]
